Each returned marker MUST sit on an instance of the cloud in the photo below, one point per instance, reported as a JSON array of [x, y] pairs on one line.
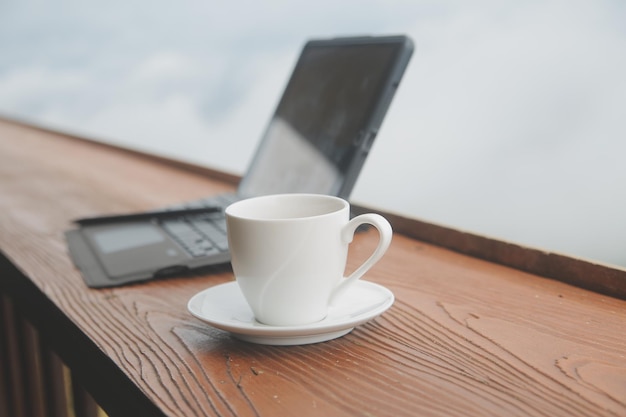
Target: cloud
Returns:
[[509, 121], [512, 125]]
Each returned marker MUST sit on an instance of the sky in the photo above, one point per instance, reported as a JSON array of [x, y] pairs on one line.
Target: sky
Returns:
[[510, 120]]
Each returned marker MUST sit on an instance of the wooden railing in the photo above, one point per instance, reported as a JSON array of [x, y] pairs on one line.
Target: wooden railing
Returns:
[[35, 381], [479, 326]]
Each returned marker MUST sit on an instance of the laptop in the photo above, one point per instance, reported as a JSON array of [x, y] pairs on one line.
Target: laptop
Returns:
[[316, 142]]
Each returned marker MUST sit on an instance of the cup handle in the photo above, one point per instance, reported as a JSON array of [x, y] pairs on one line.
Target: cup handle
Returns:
[[347, 234]]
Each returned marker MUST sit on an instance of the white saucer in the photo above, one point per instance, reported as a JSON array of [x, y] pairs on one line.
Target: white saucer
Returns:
[[224, 307]]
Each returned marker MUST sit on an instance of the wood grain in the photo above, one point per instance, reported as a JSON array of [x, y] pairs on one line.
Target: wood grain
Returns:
[[465, 337]]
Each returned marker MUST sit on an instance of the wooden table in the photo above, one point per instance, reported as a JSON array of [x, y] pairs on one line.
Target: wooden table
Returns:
[[465, 336]]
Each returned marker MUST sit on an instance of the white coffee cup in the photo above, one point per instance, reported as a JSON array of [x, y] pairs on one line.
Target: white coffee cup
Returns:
[[289, 253]]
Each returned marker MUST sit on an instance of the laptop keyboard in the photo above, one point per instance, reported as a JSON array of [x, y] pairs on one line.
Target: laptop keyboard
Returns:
[[201, 234]]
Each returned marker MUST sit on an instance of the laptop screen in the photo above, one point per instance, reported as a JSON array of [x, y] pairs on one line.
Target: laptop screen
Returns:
[[327, 117]]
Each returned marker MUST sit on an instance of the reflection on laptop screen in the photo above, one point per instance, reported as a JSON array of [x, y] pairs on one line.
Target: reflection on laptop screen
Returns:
[[321, 118]]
